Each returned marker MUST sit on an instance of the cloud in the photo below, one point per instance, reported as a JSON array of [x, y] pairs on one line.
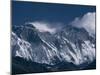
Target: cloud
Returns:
[[43, 26], [87, 22]]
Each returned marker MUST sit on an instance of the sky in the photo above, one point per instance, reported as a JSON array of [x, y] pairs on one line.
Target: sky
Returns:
[[51, 15]]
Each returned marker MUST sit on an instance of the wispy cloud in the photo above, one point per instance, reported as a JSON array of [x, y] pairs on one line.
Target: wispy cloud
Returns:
[[43, 27], [87, 22]]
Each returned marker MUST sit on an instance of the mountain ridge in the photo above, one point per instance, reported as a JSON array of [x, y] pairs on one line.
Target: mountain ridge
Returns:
[[71, 45]]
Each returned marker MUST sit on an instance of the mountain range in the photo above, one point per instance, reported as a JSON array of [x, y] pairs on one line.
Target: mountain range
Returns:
[[68, 49]]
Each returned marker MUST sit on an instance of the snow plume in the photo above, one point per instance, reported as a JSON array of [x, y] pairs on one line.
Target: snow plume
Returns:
[[43, 27], [87, 22]]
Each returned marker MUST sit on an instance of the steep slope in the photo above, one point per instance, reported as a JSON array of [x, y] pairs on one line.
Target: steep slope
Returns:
[[77, 46], [70, 45]]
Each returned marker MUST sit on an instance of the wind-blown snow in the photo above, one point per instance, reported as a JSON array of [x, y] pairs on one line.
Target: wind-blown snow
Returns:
[[50, 48], [43, 27], [87, 22]]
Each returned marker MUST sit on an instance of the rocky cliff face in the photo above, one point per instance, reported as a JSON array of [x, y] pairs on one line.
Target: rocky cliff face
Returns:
[[70, 45]]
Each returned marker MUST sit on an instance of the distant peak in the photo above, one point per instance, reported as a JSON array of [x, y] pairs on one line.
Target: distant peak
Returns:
[[29, 25], [43, 27]]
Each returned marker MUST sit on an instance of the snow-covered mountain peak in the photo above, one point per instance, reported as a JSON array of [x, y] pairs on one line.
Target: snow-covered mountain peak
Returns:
[[72, 45], [43, 27]]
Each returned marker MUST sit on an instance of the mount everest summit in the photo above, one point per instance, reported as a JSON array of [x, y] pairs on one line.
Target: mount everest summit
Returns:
[[70, 48]]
